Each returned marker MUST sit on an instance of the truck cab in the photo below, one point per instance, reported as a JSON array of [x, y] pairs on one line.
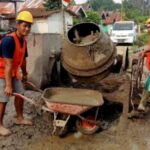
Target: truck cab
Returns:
[[123, 32]]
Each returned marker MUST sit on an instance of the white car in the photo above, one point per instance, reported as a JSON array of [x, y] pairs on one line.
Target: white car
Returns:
[[123, 32]]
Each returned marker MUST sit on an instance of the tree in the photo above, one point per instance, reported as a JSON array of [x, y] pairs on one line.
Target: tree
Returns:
[[99, 5], [134, 11], [52, 4], [92, 16]]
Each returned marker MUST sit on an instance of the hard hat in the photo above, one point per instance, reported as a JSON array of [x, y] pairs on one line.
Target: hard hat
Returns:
[[25, 16], [148, 21]]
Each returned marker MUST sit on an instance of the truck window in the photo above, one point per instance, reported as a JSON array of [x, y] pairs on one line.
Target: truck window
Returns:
[[121, 26]]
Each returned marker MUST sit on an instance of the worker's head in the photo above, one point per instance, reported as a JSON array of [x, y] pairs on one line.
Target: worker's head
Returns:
[[24, 22], [148, 28], [148, 25]]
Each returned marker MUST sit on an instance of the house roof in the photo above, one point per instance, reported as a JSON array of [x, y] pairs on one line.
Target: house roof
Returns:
[[8, 8], [76, 8], [37, 13], [111, 17], [86, 6]]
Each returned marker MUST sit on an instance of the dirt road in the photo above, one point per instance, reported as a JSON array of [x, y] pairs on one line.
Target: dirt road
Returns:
[[129, 135]]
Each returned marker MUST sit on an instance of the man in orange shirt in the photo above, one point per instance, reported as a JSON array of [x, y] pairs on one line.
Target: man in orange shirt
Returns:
[[146, 91], [13, 53]]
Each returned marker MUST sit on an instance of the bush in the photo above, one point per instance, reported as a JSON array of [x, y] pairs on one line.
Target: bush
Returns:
[[142, 39], [92, 16]]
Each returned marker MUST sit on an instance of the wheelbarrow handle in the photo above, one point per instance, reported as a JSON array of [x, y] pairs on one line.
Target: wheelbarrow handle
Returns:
[[32, 102], [25, 98], [34, 86]]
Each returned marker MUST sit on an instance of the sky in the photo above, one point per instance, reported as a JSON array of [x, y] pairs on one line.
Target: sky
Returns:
[[82, 1]]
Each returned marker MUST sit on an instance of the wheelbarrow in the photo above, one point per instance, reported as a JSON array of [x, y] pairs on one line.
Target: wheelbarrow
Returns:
[[82, 104]]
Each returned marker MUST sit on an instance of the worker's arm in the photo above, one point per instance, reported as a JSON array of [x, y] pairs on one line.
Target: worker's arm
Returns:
[[144, 51], [24, 71], [8, 76]]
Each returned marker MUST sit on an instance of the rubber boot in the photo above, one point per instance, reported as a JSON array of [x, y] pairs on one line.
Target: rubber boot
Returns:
[[144, 100]]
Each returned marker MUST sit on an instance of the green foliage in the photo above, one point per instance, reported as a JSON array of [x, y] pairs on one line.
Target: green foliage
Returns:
[[52, 4], [133, 11], [143, 39], [99, 5], [77, 21], [92, 16], [141, 19]]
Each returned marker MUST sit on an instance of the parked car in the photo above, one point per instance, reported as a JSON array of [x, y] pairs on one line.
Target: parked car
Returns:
[[123, 32]]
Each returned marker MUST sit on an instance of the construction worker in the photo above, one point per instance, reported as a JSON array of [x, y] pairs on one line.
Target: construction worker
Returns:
[[146, 91], [13, 55]]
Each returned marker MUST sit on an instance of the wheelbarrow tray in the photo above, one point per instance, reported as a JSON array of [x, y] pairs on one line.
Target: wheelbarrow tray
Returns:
[[73, 96], [67, 108]]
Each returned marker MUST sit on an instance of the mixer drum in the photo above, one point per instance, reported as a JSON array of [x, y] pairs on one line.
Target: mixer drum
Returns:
[[88, 54]]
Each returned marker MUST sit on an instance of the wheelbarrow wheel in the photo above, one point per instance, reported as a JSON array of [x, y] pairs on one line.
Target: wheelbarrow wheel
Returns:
[[86, 127]]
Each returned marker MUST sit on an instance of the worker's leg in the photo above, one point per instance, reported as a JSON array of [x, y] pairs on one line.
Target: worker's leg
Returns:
[[3, 131], [144, 100], [3, 101], [19, 102]]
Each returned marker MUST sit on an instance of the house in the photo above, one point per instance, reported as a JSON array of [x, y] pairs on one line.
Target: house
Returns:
[[78, 10], [86, 6], [46, 21], [109, 17]]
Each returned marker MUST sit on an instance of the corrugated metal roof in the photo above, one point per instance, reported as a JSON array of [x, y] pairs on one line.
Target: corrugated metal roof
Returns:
[[8, 8], [37, 13], [74, 8], [34, 6]]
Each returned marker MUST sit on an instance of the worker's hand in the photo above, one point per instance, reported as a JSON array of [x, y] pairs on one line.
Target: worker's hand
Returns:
[[24, 78], [8, 90], [142, 54]]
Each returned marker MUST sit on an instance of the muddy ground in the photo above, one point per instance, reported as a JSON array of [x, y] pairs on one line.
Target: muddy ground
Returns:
[[118, 132]]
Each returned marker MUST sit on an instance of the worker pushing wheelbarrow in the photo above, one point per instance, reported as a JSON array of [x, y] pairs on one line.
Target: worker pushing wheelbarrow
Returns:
[[83, 104]]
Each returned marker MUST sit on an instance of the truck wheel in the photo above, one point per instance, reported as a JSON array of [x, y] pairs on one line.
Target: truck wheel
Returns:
[[86, 127]]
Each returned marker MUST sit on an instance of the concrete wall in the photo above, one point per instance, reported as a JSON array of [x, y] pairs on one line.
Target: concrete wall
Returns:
[[4, 24], [55, 23], [52, 24], [39, 64], [40, 26]]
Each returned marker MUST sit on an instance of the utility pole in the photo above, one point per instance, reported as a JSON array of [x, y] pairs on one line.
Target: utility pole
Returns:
[[63, 18], [15, 5], [122, 10]]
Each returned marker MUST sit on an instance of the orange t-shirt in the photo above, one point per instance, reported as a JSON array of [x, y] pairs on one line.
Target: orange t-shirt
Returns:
[[148, 60]]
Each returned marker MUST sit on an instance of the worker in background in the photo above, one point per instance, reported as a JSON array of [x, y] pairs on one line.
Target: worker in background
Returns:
[[146, 91], [13, 53]]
